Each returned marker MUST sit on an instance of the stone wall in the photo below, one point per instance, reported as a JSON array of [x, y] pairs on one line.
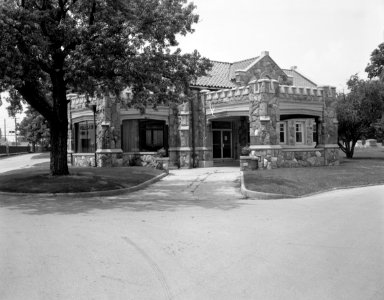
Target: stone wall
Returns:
[[295, 158], [82, 159], [148, 159]]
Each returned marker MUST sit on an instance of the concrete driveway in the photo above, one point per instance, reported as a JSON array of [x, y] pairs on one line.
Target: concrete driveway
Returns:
[[192, 236], [8, 163]]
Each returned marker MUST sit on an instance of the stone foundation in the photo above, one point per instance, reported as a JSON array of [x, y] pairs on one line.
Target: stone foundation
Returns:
[[146, 159], [180, 158], [81, 159], [292, 158], [109, 158], [248, 163]]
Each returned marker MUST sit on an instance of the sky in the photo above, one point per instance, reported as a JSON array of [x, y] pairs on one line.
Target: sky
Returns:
[[328, 40]]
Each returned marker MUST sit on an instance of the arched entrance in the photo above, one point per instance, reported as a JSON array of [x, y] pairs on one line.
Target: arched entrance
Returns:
[[228, 136]]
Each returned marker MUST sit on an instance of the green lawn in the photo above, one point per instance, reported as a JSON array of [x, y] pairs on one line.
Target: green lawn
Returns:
[[38, 180], [366, 168]]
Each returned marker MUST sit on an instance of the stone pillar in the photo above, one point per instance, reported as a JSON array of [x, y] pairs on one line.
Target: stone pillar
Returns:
[[263, 118], [329, 123], [180, 151], [329, 127], [203, 144], [109, 152]]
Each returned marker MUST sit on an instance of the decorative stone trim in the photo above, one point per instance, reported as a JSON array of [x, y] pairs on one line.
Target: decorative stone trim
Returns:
[[264, 147], [109, 151], [180, 149]]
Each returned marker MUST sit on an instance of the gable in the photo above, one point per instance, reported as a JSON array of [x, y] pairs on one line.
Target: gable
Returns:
[[298, 79], [263, 67], [224, 75]]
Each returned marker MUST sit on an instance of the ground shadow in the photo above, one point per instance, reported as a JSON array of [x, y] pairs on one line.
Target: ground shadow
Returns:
[[158, 200], [41, 155]]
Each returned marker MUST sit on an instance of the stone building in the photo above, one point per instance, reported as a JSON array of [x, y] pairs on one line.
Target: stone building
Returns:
[[285, 118]]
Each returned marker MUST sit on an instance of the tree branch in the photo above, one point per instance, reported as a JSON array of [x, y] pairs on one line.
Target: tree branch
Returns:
[[92, 14], [36, 99]]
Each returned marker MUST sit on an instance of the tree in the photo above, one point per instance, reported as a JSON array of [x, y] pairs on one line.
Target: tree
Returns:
[[358, 111], [94, 47], [34, 127], [376, 67]]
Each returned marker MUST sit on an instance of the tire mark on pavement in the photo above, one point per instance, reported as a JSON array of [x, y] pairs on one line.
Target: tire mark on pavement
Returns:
[[154, 266]]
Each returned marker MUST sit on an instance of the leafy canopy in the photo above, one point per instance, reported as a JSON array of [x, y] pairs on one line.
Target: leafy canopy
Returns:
[[376, 67], [358, 111], [96, 47]]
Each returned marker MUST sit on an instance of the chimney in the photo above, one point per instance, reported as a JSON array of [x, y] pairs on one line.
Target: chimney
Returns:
[[264, 53], [294, 68]]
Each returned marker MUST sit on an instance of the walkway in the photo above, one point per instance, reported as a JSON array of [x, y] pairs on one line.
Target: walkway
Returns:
[[191, 236]]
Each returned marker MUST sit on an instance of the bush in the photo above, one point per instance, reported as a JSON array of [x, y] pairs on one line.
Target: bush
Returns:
[[245, 150]]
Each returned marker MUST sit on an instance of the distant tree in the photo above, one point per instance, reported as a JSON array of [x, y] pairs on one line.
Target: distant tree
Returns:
[[34, 127], [94, 47], [358, 111], [376, 67]]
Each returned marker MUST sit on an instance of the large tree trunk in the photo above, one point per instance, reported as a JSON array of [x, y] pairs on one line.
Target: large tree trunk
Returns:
[[59, 135], [59, 127]]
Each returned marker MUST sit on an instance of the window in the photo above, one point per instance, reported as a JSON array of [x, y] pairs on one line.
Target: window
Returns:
[[299, 132], [282, 132], [314, 137], [85, 137], [152, 135]]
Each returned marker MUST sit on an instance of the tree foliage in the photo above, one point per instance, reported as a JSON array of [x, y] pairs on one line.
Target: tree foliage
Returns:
[[376, 66], [358, 111], [94, 47], [34, 127]]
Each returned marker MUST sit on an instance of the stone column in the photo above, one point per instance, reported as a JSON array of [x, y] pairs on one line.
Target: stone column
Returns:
[[263, 117], [180, 151], [329, 127], [109, 152], [203, 144]]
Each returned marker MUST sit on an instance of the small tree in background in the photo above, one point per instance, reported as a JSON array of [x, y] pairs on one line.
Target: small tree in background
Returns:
[[358, 111], [34, 127]]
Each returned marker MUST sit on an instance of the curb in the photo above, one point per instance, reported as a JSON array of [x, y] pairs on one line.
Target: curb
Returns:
[[269, 196], [260, 195], [93, 194]]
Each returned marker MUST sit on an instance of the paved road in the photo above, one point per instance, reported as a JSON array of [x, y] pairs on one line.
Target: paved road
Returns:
[[22, 161], [192, 236]]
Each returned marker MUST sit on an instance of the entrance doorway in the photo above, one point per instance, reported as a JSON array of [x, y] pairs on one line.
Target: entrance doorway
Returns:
[[222, 143]]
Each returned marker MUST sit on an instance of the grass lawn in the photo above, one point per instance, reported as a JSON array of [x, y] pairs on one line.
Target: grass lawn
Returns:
[[366, 168], [38, 180]]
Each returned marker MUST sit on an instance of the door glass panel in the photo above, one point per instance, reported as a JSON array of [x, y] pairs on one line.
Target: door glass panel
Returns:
[[216, 139], [221, 125], [227, 144]]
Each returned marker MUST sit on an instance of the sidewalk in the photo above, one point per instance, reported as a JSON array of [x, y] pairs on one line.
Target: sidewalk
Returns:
[[22, 161]]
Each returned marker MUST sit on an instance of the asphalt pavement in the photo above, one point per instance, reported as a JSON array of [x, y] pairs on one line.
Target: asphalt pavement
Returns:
[[192, 235]]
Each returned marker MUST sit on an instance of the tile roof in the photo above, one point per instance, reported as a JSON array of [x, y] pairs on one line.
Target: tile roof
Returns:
[[222, 75], [298, 79], [218, 77]]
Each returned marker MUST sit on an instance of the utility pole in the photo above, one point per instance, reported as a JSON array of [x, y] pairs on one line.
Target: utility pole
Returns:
[[5, 130], [15, 132]]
